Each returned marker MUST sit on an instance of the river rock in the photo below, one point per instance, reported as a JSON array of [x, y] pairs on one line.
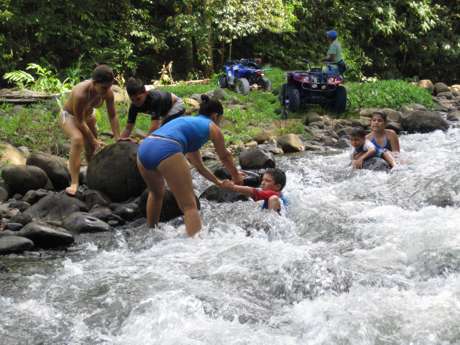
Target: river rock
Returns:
[[19, 204], [446, 95], [426, 84], [81, 222], [46, 236], [376, 164], [263, 136], [10, 155], [32, 196], [21, 218], [219, 94], [105, 214], [55, 167], [454, 115], [13, 226], [55, 207], [214, 193], [396, 126], [440, 87], [114, 172], [3, 193], [14, 244], [93, 197], [252, 178], [408, 108], [170, 208], [128, 211], [423, 122], [20, 178], [193, 105], [291, 143], [254, 159]]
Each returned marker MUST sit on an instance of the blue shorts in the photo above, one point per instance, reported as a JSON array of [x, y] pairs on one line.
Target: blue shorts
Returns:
[[153, 150]]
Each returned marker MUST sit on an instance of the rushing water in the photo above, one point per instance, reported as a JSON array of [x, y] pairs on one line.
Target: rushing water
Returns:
[[362, 258]]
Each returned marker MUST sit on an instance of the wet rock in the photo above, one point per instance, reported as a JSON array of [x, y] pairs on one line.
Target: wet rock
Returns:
[[376, 164], [20, 205], [105, 214], [440, 87], [21, 218], [252, 178], [291, 143], [14, 226], [255, 159], [272, 148], [5, 212], [81, 222], [412, 107], [55, 207], [426, 84], [396, 126], [114, 172], [214, 193], [3, 194], [342, 143], [445, 94], [93, 197], [10, 155], [423, 122], [453, 115], [20, 178], [32, 196], [14, 244], [55, 167], [46, 236], [129, 211], [170, 208], [251, 144]]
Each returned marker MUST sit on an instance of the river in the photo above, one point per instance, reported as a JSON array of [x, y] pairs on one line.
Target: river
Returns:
[[362, 258]]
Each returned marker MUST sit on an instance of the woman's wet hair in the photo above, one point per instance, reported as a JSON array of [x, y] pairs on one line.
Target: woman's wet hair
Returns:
[[210, 106], [278, 175], [134, 87], [102, 74], [358, 132], [381, 114]]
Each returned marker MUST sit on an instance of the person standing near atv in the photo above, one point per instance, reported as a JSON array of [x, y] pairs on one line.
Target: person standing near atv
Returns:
[[161, 106], [334, 53]]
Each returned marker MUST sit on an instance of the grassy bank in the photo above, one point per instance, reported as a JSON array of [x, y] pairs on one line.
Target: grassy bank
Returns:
[[36, 126]]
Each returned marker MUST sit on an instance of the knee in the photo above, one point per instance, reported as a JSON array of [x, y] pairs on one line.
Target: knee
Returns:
[[77, 142], [274, 203]]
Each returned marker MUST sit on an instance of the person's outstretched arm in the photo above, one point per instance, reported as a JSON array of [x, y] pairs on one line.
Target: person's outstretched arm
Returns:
[[227, 184], [197, 162], [224, 155]]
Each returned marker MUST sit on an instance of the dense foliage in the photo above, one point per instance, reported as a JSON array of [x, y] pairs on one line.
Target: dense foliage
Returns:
[[390, 39]]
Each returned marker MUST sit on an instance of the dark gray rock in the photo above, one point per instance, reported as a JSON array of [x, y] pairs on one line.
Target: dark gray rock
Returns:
[[21, 218], [32, 196], [376, 164], [105, 214], [423, 122], [440, 87], [254, 159], [114, 172], [81, 222], [128, 211], [3, 194], [55, 207], [252, 178], [214, 193], [19, 204], [14, 226], [170, 209], [55, 167], [46, 236], [20, 178], [14, 244], [93, 197]]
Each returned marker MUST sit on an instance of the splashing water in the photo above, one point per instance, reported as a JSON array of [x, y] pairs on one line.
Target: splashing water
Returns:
[[362, 258]]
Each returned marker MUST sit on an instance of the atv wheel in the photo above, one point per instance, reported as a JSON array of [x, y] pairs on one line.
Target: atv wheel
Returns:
[[293, 96], [339, 103], [223, 83], [266, 84], [242, 86]]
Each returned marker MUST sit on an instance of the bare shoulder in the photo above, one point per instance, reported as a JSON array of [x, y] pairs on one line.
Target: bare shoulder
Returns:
[[391, 133], [80, 90], [109, 96]]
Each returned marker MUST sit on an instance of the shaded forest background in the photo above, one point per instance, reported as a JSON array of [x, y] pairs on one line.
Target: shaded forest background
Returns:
[[386, 39]]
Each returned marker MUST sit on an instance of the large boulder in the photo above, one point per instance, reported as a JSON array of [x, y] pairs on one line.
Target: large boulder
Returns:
[[376, 164], [46, 236], [254, 159], [426, 84], [21, 178], [214, 193], [81, 222], [423, 122], [14, 244], [291, 143], [55, 207], [170, 208], [10, 155], [55, 167], [114, 172], [251, 179], [440, 87]]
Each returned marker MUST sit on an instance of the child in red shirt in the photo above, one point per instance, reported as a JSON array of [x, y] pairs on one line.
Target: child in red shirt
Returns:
[[273, 181]]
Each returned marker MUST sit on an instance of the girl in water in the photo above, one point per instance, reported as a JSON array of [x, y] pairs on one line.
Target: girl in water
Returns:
[[162, 156], [386, 141]]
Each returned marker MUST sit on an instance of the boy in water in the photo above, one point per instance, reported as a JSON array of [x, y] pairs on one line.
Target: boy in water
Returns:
[[78, 120], [362, 148], [273, 182], [161, 106]]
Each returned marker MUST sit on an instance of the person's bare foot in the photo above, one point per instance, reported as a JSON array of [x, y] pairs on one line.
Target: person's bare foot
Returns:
[[72, 190]]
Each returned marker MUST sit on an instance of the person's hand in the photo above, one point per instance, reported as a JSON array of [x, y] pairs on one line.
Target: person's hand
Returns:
[[226, 184], [127, 139], [357, 163]]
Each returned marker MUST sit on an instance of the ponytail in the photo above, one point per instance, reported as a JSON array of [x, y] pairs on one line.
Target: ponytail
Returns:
[[210, 106]]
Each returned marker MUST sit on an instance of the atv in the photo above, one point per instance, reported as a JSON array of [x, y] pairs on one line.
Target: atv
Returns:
[[241, 74], [317, 85]]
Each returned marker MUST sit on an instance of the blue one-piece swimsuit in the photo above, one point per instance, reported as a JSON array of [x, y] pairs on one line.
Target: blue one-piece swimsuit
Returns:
[[381, 149]]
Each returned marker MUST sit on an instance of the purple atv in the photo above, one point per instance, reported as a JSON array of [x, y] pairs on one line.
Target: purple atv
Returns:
[[314, 86]]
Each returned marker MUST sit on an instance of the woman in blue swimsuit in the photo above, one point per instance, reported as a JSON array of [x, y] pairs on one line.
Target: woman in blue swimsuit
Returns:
[[161, 156], [386, 141]]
